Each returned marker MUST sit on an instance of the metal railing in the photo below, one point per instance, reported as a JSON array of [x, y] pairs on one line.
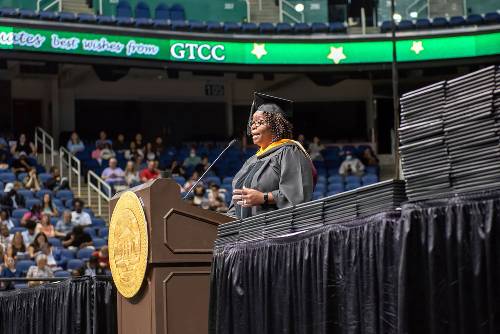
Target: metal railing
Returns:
[[418, 6], [103, 190], [248, 10], [44, 140], [71, 167], [287, 9], [49, 6]]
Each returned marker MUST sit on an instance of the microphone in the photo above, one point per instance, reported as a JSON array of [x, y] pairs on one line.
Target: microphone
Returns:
[[213, 163]]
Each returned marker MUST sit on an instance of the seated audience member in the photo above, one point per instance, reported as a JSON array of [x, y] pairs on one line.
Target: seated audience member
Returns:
[[35, 214], [56, 182], [138, 141], [351, 166], [17, 246], [5, 219], [199, 198], [315, 149], [46, 227], [192, 180], [5, 237], [368, 158], [113, 174], [192, 160], [176, 169], [75, 144], [64, 226], [31, 180], [102, 257], [302, 140], [131, 175], [77, 272], [107, 153], [149, 153], [30, 233], [149, 173], [4, 162], [204, 165], [23, 145], [119, 145], [78, 216], [77, 239], [134, 153], [93, 267], [39, 244], [41, 270], [11, 200], [21, 164], [48, 207], [9, 271], [103, 140], [4, 145], [158, 146], [216, 199]]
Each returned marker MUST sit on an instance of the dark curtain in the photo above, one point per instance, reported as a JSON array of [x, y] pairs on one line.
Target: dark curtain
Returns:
[[432, 268], [80, 305]]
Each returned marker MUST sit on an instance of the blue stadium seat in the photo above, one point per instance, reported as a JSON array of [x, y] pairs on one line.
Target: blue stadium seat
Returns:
[[162, 12], [22, 266], [386, 26], [99, 242], [457, 21], [492, 18], [302, 28], [405, 25], [249, 28], [91, 231], [213, 26], [335, 179], [284, 28], [55, 242], [21, 176], [7, 177], [369, 179], [67, 254], [161, 24], [267, 28], [98, 222], [320, 187], [322, 178], [123, 9], [319, 27], [177, 13], [124, 22], [337, 27], [212, 179], [439, 22], [14, 230], [227, 180], [197, 26], [32, 201], [19, 213], [9, 12], [352, 186], [82, 18], [334, 192], [67, 17], [27, 194], [317, 195], [180, 25], [106, 20], [474, 19], [89, 211], [336, 187], [84, 253], [103, 232], [65, 195], [371, 170], [62, 274], [49, 16], [142, 10], [352, 179], [28, 14], [75, 263], [143, 23]]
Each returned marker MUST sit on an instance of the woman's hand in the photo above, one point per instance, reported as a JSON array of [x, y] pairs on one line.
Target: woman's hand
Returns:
[[248, 197]]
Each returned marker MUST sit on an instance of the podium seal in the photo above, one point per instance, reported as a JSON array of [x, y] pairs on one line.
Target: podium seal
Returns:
[[128, 244]]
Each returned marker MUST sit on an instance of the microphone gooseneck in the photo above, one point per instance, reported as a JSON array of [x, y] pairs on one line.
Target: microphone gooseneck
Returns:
[[231, 143]]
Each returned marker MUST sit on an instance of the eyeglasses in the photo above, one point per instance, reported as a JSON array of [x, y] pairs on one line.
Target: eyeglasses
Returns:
[[257, 123]]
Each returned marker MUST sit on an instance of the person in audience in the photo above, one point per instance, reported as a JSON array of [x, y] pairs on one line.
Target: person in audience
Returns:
[[199, 198], [78, 216], [102, 257], [9, 271], [192, 180], [216, 199], [176, 169], [30, 232], [21, 164], [119, 145], [107, 152], [41, 270], [368, 158], [77, 272], [17, 246], [149, 153], [46, 227], [315, 149], [149, 173], [113, 174], [302, 140], [138, 141], [35, 214], [192, 160], [158, 146], [64, 226], [131, 175], [204, 165], [351, 166], [133, 153], [93, 267], [31, 180], [5, 237], [77, 239], [4, 145], [38, 245], [75, 144], [5, 219], [56, 182], [48, 207], [23, 145], [11, 200], [103, 140], [4, 162]]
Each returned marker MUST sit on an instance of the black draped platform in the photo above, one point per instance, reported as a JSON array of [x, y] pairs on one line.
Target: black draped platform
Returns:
[[75, 306], [433, 267]]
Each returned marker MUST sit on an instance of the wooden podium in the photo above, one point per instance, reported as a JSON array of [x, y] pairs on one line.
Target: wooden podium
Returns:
[[174, 297]]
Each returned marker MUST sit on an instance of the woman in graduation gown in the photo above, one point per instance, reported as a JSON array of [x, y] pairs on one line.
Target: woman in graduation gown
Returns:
[[281, 173]]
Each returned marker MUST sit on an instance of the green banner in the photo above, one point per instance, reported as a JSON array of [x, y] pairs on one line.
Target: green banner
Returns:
[[254, 53]]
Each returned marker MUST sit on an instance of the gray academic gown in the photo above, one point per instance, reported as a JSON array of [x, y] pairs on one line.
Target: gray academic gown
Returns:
[[286, 171]]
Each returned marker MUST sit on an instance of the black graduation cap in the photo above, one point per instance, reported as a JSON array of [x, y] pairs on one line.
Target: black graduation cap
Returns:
[[272, 104]]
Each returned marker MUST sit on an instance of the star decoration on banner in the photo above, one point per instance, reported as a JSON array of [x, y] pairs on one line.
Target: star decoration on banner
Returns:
[[417, 47], [336, 54], [259, 50]]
